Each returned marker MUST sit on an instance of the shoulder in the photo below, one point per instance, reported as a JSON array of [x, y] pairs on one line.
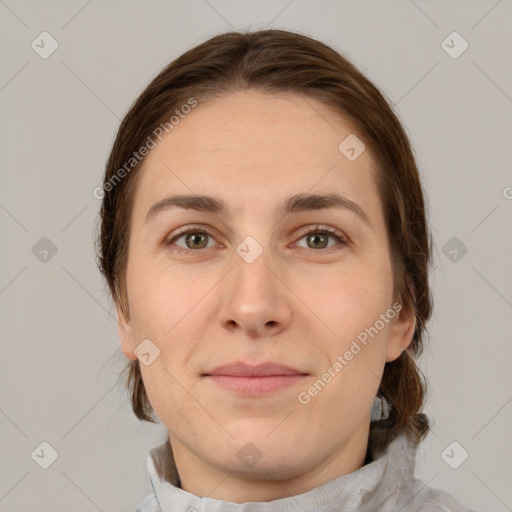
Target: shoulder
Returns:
[[429, 499], [149, 504]]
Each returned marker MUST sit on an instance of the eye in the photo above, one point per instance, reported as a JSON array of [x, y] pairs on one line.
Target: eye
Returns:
[[195, 237], [320, 235]]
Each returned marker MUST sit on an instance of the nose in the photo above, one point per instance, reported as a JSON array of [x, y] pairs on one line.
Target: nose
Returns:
[[254, 300]]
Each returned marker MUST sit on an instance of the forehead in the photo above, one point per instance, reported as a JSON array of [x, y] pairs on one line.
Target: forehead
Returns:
[[291, 125], [251, 148]]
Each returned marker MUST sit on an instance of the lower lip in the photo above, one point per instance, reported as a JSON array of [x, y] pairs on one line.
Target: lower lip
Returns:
[[256, 385]]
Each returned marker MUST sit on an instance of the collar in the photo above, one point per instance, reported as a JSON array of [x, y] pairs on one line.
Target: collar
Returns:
[[386, 480]]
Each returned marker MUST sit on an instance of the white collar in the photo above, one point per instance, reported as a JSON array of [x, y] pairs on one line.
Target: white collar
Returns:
[[387, 481]]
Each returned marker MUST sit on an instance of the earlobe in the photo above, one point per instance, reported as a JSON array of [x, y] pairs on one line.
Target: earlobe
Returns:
[[401, 333], [124, 331]]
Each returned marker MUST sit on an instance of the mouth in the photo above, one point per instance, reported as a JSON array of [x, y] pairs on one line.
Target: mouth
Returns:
[[245, 379]]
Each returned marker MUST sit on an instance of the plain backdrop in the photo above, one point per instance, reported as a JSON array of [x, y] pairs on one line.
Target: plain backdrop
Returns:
[[60, 355]]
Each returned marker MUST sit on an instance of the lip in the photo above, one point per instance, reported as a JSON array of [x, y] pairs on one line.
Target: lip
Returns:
[[247, 379], [241, 369]]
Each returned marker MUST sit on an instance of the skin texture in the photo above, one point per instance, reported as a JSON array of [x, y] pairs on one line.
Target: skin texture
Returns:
[[300, 303]]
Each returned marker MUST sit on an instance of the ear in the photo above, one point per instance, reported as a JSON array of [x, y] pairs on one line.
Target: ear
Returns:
[[402, 330], [124, 331]]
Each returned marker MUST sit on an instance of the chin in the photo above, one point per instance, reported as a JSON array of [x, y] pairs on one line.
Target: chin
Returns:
[[269, 468], [258, 455]]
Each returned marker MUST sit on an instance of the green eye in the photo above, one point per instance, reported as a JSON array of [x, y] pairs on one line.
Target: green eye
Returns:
[[196, 238]]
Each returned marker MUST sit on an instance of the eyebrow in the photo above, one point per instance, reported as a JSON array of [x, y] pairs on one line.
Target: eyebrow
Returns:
[[294, 204]]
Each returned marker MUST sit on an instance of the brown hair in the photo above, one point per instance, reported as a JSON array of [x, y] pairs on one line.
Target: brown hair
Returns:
[[279, 61]]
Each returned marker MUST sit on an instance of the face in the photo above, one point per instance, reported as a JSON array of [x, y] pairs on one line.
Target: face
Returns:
[[257, 284]]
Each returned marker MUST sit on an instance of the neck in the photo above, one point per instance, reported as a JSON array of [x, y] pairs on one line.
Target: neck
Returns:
[[218, 481]]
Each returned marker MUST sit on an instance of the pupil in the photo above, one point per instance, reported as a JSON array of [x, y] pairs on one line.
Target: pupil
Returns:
[[315, 237], [193, 237]]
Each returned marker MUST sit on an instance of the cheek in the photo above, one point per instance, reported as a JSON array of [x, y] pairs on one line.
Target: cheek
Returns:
[[159, 298], [354, 345], [351, 301]]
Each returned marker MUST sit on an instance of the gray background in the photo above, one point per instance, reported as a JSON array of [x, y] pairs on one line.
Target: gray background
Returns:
[[60, 353]]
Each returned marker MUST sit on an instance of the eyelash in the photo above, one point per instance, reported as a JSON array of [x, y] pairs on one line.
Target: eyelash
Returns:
[[319, 229]]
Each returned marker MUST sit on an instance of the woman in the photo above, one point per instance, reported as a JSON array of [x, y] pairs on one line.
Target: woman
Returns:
[[264, 238]]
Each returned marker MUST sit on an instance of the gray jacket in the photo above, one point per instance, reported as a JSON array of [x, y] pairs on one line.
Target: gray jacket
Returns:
[[386, 484]]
